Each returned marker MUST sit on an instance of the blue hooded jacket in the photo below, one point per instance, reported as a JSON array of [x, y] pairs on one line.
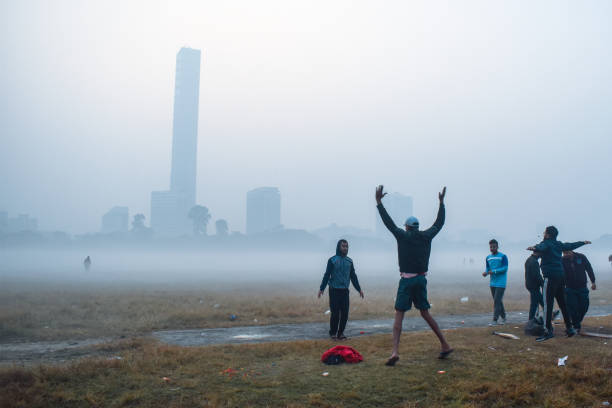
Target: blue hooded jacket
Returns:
[[339, 272]]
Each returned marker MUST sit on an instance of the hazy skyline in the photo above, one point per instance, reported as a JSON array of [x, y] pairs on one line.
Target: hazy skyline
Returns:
[[506, 103]]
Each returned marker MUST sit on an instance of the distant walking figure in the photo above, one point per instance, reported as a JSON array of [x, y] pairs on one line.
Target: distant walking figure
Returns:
[[413, 249], [496, 266], [339, 273], [554, 281], [87, 263], [576, 267]]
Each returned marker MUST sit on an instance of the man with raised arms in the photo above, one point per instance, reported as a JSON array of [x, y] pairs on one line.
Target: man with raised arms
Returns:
[[413, 249]]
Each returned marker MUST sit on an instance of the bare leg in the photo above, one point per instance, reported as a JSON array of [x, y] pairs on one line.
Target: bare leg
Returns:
[[397, 331], [434, 326]]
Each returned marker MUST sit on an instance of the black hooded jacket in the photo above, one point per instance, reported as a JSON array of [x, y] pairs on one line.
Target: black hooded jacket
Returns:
[[413, 246], [533, 277], [576, 269]]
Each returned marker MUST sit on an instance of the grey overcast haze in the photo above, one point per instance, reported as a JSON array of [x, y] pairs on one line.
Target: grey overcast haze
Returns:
[[507, 103]]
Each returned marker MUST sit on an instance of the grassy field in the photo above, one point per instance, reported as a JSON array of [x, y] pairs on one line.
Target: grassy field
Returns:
[[54, 311], [484, 371]]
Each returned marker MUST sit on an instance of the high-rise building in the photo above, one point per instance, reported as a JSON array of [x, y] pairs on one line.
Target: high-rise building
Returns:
[[263, 210], [169, 209], [116, 220], [3, 221], [399, 207]]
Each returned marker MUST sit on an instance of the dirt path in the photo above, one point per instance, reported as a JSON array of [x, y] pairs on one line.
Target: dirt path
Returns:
[[59, 352]]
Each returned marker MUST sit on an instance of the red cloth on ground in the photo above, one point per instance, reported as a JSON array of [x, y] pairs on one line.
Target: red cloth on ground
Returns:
[[349, 354]]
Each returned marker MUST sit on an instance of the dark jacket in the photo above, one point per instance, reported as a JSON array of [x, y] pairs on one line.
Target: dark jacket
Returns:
[[340, 270], [576, 269], [413, 246], [533, 277], [551, 251]]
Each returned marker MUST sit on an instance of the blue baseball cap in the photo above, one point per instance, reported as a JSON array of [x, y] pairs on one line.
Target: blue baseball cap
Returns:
[[412, 222]]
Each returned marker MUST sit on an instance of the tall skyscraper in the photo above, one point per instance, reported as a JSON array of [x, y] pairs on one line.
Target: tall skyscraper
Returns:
[[169, 209], [399, 207], [263, 210]]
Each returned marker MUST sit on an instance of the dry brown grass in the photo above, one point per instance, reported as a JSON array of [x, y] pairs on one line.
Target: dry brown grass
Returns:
[[52, 312], [484, 371]]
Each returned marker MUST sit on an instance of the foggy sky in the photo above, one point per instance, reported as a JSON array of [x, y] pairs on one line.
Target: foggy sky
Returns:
[[506, 103]]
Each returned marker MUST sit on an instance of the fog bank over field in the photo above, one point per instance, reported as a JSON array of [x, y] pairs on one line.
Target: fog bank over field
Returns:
[[273, 267]]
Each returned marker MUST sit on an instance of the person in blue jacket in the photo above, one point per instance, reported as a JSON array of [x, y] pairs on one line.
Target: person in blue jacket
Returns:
[[496, 266], [340, 272], [554, 278]]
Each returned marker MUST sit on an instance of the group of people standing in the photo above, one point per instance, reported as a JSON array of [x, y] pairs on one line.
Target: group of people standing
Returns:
[[564, 279]]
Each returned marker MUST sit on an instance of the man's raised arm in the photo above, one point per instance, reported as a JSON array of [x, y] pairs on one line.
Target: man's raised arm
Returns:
[[437, 225], [384, 215]]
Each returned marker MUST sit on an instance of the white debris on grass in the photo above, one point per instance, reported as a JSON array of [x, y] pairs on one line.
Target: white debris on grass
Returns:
[[562, 361], [465, 299], [327, 311]]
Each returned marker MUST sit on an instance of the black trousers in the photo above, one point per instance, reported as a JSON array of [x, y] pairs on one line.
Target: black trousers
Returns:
[[577, 305], [339, 307], [536, 299], [498, 304], [554, 288]]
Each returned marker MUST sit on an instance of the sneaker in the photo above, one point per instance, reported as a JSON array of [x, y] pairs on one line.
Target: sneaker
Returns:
[[546, 336], [570, 332], [493, 323], [503, 320]]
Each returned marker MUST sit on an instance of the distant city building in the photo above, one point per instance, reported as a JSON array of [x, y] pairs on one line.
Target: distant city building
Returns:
[[399, 207], [263, 210], [169, 213], [169, 209], [21, 223], [116, 220], [3, 221]]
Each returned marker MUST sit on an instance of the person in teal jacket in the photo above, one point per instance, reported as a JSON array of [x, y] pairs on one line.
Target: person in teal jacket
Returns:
[[554, 278], [339, 273], [496, 266]]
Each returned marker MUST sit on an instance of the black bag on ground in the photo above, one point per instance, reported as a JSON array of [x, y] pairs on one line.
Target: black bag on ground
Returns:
[[334, 359], [533, 328]]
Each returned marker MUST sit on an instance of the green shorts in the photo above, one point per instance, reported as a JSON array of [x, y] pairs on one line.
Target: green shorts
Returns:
[[412, 290]]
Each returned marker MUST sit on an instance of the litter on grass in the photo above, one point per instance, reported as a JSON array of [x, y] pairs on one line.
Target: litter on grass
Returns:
[[562, 361], [325, 374], [441, 372], [232, 317], [491, 348], [465, 299], [507, 335], [166, 379], [327, 311]]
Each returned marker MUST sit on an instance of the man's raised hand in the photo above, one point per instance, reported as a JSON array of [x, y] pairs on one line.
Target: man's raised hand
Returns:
[[442, 194], [379, 194]]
